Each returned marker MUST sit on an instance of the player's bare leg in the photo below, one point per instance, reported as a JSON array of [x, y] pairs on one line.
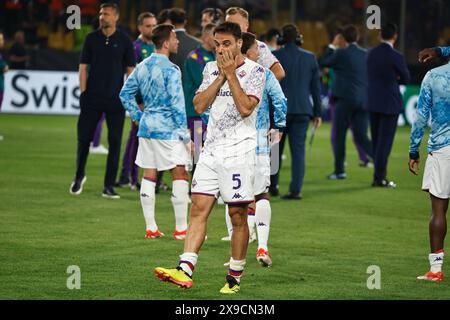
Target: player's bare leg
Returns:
[[239, 245], [438, 223], [196, 232], [182, 275], [437, 232]]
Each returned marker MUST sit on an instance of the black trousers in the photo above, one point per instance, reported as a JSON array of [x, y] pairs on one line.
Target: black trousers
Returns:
[[87, 123], [350, 113], [297, 128], [383, 128]]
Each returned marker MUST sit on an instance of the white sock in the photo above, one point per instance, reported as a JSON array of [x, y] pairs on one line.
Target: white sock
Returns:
[[180, 202], [228, 222], [148, 203], [236, 268], [188, 260], [251, 220], [262, 219], [436, 261]]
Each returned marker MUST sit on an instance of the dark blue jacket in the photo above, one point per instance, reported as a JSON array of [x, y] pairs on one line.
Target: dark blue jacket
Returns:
[[302, 80], [350, 69], [386, 69]]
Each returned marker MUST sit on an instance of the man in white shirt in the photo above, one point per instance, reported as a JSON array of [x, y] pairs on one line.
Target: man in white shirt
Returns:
[[232, 88]]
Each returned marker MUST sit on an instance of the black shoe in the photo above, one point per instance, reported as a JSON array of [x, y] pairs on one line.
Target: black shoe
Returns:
[[274, 192], [292, 196], [385, 184], [337, 176], [123, 182], [77, 186], [108, 192]]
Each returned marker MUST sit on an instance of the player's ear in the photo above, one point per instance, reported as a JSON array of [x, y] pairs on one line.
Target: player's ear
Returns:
[[239, 44]]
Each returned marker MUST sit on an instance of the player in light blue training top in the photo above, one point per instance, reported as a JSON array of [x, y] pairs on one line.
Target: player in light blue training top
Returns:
[[429, 53], [163, 134], [434, 101]]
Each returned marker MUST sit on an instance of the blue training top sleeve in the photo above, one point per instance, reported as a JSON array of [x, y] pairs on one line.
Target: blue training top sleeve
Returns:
[[422, 116], [128, 95], [279, 101]]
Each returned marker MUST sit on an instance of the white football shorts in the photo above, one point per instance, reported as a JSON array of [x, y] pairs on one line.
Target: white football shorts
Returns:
[[162, 154], [231, 177], [436, 176]]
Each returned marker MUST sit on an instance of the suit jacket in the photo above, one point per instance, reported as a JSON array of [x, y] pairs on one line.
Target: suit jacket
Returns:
[[350, 69], [386, 70], [186, 45], [302, 80]]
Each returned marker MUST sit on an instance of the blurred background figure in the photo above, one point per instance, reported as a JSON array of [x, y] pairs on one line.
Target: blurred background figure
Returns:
[[18, 56], [271, 38], [3, 69], [349, 92], [386, 69], [187, 42], [106, 56], [302, 81], [212, 15], [363, 159]]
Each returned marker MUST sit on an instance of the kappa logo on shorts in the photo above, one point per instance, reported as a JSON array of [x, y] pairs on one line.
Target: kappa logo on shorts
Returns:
[[144, 195], [215, 73], [262, 224], [194, 183], [237, 196]]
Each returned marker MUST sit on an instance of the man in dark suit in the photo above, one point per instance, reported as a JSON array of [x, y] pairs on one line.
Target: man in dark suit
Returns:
[[349, 92], [301, 82], [386, 68], [187, 43]]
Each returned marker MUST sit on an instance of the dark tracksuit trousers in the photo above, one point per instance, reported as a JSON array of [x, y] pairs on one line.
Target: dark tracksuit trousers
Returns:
[[87, 122], [350, 113]]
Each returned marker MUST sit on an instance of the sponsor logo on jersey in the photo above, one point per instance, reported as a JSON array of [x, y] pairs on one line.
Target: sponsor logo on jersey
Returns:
[[260, 69], [224, 93], [242, 74], [215, 73]]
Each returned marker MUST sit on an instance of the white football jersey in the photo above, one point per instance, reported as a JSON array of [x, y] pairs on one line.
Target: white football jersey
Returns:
[[266, 57], [228, 133]]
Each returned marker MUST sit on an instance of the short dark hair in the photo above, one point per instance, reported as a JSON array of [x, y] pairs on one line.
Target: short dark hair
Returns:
[[388, 31], [143, 16], [161, 33], [350, 33], [215, 13], [248, 39], [112, 5], [208, 28], [272, 33], [231, 28], [177, 16], [163, 16], [289, 33]]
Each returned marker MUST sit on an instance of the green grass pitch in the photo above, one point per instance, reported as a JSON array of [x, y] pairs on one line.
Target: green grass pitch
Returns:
[[321, 246]]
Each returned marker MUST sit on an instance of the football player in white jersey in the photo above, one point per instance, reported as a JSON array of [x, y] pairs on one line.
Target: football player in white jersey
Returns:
[[267, 60], [232, 88]]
